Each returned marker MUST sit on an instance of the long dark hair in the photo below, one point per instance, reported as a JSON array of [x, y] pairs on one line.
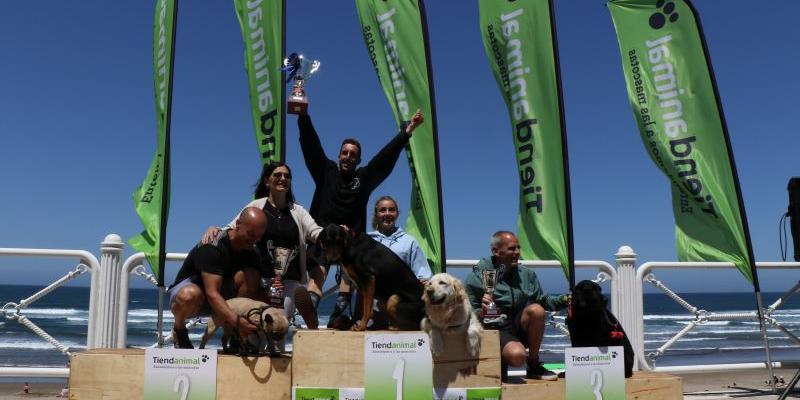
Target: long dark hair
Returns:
[[262, 189]]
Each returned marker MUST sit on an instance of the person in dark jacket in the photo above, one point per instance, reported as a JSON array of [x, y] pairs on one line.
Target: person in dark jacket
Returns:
[[341, 196], [521, 299]]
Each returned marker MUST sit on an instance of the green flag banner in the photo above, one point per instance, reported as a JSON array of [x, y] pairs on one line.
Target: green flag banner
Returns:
[[675, 104], [151, 199], [262, 24], [519, 41], [395, 34]]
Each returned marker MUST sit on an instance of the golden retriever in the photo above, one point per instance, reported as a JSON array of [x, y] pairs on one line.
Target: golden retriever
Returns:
[[271, 323], [448, 311]]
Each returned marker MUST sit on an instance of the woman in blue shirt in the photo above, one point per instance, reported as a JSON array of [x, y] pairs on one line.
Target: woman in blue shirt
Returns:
[[392, 236]]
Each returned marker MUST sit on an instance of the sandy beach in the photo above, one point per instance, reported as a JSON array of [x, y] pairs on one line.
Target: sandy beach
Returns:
[[13, 390]]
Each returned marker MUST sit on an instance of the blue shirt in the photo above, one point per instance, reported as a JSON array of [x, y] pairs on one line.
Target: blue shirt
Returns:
[[407, 248]]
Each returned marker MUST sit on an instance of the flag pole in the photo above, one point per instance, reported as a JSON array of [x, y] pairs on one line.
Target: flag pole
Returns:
[[742, 212], [564, 158], [435, 130], [165, 187]]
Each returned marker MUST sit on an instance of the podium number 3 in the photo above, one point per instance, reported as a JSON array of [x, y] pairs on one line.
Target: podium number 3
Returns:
[[397, 375], [181, 386], [597, 384]]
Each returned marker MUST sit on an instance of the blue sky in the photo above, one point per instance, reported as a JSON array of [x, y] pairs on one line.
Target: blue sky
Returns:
[[78, 127]]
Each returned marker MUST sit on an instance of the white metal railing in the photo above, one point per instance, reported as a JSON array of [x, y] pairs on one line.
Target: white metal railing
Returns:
[[134, 265], [700, 316], [86, 263]]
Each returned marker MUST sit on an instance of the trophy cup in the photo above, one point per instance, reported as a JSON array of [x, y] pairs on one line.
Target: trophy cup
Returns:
[[281, 259], [489, 278], [298, 69]]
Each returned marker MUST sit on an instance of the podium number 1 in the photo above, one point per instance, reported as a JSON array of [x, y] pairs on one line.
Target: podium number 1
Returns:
[[181, 386], [397, 375], [597, 384]]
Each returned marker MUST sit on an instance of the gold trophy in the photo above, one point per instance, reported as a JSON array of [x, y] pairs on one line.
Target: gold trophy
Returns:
[[281, 259], [298, 69]]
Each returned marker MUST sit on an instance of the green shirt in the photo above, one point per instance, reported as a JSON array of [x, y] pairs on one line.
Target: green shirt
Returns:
[[515, 290]]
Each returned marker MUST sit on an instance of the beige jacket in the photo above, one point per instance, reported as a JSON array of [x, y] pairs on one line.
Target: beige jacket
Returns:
[[308, 228]]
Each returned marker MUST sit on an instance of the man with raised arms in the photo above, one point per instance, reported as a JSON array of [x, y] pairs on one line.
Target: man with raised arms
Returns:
[[341, 196], [214, 272]]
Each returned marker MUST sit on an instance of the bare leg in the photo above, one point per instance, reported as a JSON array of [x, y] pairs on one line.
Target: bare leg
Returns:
[[318, 276], [514, 354], [533, 326], [248, 284], [187, 302]]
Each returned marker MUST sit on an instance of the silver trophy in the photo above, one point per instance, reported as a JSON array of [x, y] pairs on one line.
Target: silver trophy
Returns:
[[490, 278], [298, 69], [281, 259]]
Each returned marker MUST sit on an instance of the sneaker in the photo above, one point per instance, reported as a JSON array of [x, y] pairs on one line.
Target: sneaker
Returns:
[[181, 339], [342, 302], [538, 371], [306, 307]]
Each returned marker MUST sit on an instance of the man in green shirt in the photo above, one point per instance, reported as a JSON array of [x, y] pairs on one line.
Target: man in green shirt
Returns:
[[520, 297]]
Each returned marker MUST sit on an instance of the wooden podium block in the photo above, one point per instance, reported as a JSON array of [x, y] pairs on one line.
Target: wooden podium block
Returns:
[[119, 374], [336, 359], [642, 385]]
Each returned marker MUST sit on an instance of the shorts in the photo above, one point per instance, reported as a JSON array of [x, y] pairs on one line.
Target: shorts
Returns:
[[511, 331], [205, 308]]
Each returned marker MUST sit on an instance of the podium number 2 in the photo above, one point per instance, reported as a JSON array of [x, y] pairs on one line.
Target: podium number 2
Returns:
[[597, 384], [181, 386], [397, 375]]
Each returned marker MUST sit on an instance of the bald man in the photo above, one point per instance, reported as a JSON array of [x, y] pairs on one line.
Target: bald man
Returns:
[[214, 272]]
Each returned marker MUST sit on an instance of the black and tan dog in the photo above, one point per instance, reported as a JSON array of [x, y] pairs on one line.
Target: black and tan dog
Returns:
[[590, 323], [378, 274]]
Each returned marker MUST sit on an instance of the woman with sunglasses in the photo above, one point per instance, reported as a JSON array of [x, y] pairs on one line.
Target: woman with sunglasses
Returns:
[[288, 226]]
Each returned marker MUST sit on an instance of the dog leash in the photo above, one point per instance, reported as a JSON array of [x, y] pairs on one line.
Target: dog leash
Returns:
[[616, 333]]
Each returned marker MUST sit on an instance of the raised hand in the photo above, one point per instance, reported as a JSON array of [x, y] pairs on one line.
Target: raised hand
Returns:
[[416, 120]]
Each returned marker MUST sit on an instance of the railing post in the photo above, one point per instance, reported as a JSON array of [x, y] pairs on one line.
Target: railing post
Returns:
[[628, 303], [108, 303]]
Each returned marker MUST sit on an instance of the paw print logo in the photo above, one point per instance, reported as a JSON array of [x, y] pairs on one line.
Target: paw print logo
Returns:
[[667, 10], [420, 342], [613, 354], [204, 358]]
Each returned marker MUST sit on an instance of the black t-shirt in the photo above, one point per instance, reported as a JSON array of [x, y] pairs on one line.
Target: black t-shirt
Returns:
[[342, 197], [218, 258], [283, 232]]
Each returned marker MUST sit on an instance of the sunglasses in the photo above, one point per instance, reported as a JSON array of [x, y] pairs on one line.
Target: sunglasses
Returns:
[[282, 175]]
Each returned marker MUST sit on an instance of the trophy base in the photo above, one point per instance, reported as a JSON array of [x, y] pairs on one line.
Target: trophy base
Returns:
[[276, 303], [297, 105], [493, 320]]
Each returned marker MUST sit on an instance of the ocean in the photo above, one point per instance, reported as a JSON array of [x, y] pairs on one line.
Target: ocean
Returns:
[[64, 315]]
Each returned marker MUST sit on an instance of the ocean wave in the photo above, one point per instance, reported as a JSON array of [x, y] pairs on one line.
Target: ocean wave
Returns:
[[668, 317], [684, 340], [707, 323], [52, 312], [145, 312], [33, 344], [78, 319]]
